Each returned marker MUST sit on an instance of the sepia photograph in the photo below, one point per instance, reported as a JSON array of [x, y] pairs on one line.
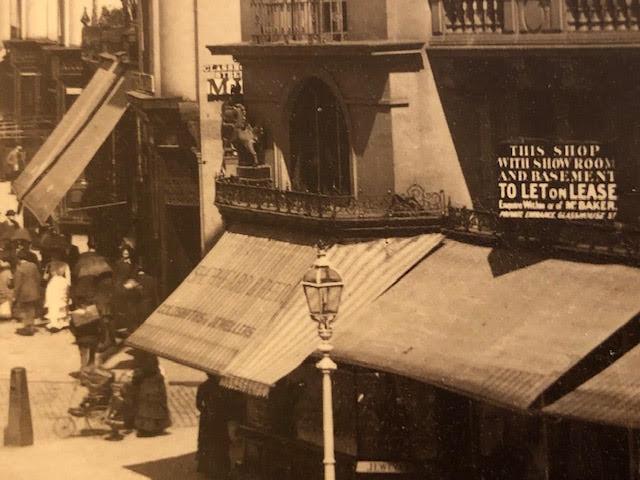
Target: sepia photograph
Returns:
[[320, 239]]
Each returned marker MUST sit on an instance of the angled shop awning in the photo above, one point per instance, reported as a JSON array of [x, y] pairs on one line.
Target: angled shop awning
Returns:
[[491, 324], [611, 397], [241, 313], [46, 194], [73, 143], [367, 269], [233, 293], [69, 127]]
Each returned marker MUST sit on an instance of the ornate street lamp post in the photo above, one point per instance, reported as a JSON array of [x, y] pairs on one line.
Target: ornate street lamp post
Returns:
[[323, 287]]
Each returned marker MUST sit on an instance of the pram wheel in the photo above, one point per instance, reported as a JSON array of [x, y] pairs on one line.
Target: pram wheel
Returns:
[[95, 418], [64, 427]]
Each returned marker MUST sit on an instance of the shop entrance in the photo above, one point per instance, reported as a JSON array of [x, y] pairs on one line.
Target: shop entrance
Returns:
[[319, 159]]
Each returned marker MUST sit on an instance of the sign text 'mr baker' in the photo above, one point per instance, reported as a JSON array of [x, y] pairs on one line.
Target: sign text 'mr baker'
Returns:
[[556, 181]]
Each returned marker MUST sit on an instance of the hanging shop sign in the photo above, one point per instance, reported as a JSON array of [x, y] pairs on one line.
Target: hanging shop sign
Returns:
[[548, 180], [224, 80]]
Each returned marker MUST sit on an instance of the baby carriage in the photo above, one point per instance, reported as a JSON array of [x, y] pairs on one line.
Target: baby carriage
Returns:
[[103, 409]]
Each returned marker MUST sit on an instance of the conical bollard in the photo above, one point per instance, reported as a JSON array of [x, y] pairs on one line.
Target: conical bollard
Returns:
[[19, 430]]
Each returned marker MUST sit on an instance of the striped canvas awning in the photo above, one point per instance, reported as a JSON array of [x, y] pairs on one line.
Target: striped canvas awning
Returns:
[[70, 126], [494, 324], [368, 269], [48, 192], [225, 301], [241, 313], [611, 397]]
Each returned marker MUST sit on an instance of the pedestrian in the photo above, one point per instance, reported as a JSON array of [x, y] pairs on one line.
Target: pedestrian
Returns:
[[21, 240], [57, 296], [124, 266], [28, 292], [7, 227], [139, 299], [150, 396], [6, 290], [125, 289], [11, 218], [220, 412], [86, 327], [14, 163], [73, 252]]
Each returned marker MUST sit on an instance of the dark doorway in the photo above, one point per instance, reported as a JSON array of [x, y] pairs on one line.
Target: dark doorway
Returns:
[[319, 160]]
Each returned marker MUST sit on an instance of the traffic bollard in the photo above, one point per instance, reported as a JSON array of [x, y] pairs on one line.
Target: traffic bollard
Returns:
[[19, 429]]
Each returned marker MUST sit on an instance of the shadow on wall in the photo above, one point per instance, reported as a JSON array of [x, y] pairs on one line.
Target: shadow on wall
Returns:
[[494, 99]]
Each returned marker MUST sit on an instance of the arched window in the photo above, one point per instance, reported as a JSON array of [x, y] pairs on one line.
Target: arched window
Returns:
[[319, 159]]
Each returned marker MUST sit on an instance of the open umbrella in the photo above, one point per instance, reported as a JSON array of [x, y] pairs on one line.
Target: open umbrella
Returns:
[[21, 234], [52, 241], [6, 231], [91, 264]]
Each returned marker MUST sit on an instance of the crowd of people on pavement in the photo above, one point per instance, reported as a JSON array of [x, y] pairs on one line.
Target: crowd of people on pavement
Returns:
[[47, 285]]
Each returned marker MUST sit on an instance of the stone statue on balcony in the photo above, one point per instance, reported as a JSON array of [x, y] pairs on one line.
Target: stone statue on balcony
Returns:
[[239, 136], [242, 139]]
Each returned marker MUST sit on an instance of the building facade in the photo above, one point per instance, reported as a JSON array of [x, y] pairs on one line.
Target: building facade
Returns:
[[489, 326]]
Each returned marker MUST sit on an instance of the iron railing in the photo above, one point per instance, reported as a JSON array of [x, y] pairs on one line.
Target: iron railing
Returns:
[[608, 239], [510, 16], [415, 203], [299, 20]]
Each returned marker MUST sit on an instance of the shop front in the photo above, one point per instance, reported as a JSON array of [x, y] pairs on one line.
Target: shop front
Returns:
[[454, 359]]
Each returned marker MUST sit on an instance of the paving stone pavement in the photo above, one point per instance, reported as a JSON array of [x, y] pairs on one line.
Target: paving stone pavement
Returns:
[[49, 402]]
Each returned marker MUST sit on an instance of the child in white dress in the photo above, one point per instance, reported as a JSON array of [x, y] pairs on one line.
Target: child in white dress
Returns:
[[57, 297]]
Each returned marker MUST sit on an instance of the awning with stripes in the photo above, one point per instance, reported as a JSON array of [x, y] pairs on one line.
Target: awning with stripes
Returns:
[[498, 325], [73, 143], [368, 269], [611, 397], [241, 313]]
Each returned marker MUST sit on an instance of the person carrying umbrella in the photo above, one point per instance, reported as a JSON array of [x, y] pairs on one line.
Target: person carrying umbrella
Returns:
[[92, 291], [21, 240]]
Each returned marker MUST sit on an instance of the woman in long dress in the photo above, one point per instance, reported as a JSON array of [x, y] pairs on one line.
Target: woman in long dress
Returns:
[[56, 296]]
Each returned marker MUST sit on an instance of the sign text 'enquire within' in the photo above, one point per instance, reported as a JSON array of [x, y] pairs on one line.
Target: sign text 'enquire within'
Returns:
[[572, 181]]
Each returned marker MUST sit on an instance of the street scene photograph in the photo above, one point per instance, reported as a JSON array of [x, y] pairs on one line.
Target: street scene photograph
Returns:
[[320, 239]]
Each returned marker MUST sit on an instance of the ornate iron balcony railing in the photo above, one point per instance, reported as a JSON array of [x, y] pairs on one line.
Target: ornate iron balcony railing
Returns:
[[612, 240], [416, 205], [299, 20]]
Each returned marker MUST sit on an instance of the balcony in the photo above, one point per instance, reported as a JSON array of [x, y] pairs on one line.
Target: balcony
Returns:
[[288, 21], [535, 23], [414, 212]]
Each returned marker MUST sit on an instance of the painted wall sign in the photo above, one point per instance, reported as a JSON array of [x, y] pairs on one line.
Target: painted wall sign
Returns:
[[221, 79], [566, 181], [375, 466]]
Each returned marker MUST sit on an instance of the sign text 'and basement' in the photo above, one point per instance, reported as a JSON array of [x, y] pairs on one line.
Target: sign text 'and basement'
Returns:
[[566, 181]]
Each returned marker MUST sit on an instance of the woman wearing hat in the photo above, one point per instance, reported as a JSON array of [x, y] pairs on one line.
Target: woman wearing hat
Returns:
[[28, 292], [149, 393]]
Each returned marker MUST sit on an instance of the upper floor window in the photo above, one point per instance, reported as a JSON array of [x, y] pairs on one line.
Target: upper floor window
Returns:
[[299, 20], [319, 159]]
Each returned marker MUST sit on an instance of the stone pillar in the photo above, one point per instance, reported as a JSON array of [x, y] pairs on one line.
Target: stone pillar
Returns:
[[178, 48], [35, 14], [5, 20], [53, 20], [212, 15], [73, 15], [64, 22]]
